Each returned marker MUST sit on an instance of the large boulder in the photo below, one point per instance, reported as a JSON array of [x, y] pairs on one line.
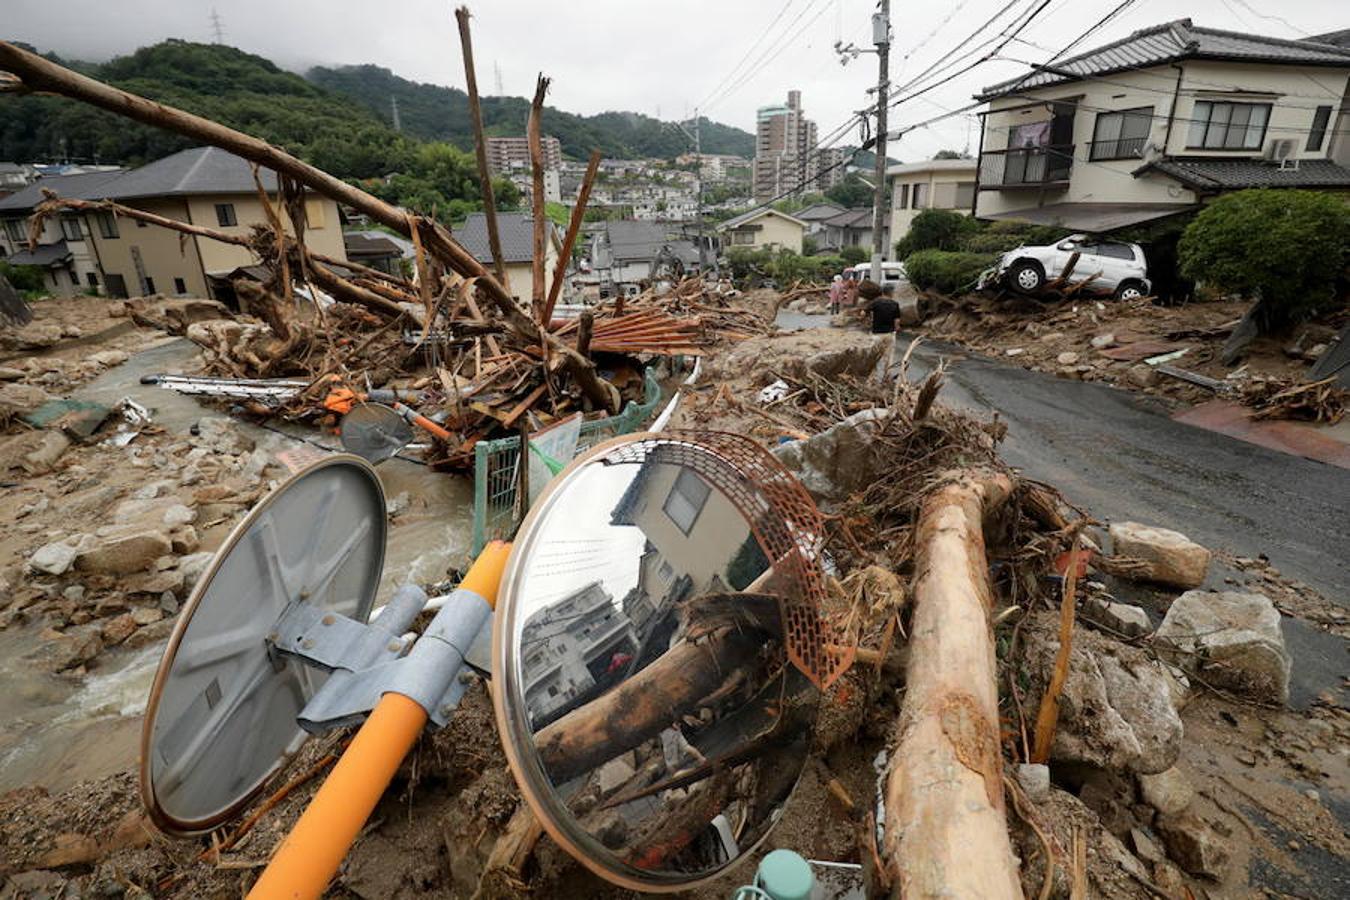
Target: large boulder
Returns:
[[1168, 792], [16, 399], [1231, 640], [838, 461], [1115, 710], [1169, 557]]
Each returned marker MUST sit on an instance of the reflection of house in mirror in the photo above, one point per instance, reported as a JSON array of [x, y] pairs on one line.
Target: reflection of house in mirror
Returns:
[[569, 648], [697, 541]]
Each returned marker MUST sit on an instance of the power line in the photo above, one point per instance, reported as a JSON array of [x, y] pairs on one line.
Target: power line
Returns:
[[734, 69], [217, 29], [771, 53], [1283, 21]]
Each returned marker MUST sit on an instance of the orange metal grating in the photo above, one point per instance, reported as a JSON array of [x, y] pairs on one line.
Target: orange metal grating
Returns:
[[784, 520]]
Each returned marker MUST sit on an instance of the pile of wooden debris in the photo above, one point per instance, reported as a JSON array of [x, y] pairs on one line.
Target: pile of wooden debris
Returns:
[[484, 364]]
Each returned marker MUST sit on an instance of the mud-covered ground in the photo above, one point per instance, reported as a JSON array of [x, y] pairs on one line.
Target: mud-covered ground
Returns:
[[1270, 783]]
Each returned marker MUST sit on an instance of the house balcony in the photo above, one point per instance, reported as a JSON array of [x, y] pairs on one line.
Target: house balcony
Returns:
[[1020, 167]]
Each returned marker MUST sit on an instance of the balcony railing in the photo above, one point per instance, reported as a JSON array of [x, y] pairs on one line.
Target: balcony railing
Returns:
[[1021, 166], [1120, 148]]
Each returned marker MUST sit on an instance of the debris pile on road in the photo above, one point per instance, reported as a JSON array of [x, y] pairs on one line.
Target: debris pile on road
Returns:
[[1282, 398]]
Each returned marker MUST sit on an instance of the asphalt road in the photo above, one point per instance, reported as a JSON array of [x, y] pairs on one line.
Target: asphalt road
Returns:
[[1120, 456]]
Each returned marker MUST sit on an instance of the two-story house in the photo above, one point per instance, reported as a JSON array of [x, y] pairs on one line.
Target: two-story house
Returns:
[[1160, 121], [121, 257]]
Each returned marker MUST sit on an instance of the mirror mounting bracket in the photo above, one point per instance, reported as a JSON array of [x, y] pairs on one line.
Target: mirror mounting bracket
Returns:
[[367, 661]]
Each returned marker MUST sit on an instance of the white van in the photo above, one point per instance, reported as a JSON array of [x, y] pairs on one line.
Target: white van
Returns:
[[891, 272]]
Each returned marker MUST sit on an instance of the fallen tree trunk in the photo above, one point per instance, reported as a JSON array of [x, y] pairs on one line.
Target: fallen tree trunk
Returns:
[[680, 681], [946, 834]]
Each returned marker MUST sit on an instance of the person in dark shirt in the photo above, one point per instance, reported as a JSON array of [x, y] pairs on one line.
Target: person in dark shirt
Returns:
[[885, 311]]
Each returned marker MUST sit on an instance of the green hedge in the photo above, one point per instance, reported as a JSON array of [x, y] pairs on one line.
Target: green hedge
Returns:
[[946, 271], [24, 278]]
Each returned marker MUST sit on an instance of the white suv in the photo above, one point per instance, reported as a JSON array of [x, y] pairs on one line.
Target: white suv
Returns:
[[1118, 267]]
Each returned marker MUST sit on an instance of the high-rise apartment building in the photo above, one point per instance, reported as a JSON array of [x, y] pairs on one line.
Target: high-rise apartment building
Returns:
[[784, 138], [507, 153]]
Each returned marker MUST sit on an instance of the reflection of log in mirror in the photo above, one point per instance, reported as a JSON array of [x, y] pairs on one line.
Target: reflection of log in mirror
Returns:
[[650, 672]]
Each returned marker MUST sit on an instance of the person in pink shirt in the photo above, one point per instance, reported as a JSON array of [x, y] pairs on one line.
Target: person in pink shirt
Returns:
[[836, 293]]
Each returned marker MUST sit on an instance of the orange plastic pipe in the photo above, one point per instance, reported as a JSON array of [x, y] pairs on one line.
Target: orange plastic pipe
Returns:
[[310, 855]]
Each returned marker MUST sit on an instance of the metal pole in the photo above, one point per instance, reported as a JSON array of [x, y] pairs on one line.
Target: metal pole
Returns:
[[698, 171], [881, 36]]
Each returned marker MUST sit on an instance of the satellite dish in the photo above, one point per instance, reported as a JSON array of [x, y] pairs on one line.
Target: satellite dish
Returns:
[[221, 718], [374, 432], [657, 678]]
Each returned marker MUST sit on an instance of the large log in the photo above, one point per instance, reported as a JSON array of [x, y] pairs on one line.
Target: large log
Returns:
[[946, 833], [480, 147], [680, 681]]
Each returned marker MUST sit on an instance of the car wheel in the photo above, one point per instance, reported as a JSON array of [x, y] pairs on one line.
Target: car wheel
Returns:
[[1027, 277], [1129, 290]]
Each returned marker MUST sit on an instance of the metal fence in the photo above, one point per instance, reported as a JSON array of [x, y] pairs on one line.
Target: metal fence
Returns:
[[495, 473]]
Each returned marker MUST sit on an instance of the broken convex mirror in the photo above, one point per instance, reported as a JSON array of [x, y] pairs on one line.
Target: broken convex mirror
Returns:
[[647, 701]]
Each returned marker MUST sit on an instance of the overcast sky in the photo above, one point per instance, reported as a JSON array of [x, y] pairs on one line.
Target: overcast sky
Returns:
[[656, 58]]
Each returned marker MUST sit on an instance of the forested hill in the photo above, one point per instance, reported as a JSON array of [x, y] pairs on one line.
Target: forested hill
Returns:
[[433, 112]]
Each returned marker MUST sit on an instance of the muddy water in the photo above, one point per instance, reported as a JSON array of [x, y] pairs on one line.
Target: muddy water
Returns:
[[58, 730]]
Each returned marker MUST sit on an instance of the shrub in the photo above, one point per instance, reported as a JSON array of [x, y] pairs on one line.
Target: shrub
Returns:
[[1284, 247], [1000, 237], [854, 255], [946, 271], [24, 278], [935, 229]]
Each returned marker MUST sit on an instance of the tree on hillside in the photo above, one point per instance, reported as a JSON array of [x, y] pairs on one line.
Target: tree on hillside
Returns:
[[949, 154], [851, 193]]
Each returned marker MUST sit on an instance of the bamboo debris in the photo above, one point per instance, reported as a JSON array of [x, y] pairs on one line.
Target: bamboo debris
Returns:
[[1312, 401], [539, 219], [480, 147]]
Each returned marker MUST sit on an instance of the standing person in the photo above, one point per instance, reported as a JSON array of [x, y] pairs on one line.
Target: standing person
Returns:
[[850, 298], [836, 294], [885, 312]]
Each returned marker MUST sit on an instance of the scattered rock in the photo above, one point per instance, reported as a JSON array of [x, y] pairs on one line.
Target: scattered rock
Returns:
[[1169, 557], [398, 505], [9, 374], [1014, 351], [122, 554], [185, 540], [17, 399], [74, 593], [859, 360], [109, 358], [178, 514], [146, 615], [1102, 341], [1195, 845], [838, 461], [1232, 639], [1145, 847], [150, 634], [193, 565], [1052, 337], [53, 559], [1035, 780], [1142, 375], [1067, 358], [1120, 618], [43, 459], [118, 629], [1169, 792], [75, 647]]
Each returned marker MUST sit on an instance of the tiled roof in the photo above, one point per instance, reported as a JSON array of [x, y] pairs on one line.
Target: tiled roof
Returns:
[[44, 255], [199, 170], [747, 217], [69, 187], [818, 212], [1173, 41], [1235, 174], [516, 231], [851, 218]]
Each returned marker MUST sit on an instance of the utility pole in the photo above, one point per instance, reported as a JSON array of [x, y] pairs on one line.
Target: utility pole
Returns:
[[881, 37], [217, 29], [393, 101], [697, 137]]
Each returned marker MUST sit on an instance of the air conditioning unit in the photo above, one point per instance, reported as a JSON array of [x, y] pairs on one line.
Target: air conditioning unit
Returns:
[[1281, 150]]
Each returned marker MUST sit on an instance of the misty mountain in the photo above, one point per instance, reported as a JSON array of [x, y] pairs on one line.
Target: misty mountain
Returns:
[[433, 112]]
